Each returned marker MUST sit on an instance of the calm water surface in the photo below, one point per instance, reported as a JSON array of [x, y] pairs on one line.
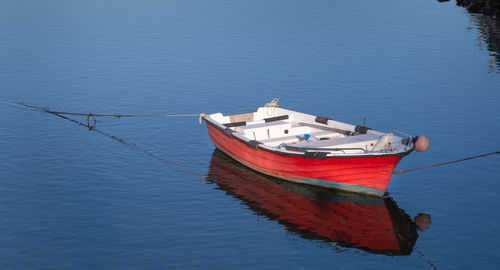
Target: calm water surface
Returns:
[[159, 197]]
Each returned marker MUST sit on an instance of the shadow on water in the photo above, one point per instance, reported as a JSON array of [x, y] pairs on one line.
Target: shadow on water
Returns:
[[375, 225]]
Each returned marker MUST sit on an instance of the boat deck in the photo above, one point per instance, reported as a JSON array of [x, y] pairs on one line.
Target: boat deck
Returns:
[[288, 130]]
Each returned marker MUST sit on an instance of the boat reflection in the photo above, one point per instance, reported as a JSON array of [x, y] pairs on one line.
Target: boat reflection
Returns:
[[375, 225]]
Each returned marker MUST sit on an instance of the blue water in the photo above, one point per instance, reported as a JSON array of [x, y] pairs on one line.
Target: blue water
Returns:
[[71, 198]]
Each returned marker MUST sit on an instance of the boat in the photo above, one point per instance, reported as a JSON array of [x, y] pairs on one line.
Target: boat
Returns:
[[337, 219], [311, 149]]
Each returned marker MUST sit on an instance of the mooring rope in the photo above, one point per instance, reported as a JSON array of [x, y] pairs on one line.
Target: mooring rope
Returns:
[[446, 163], [93, 115], [115, 138], [120, 115], [133, 146]]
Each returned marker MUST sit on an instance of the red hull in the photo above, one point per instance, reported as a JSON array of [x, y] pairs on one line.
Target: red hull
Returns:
[[369, 175], [373, 224]]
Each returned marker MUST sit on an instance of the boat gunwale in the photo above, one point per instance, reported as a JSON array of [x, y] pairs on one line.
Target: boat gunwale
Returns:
[[251, 144]]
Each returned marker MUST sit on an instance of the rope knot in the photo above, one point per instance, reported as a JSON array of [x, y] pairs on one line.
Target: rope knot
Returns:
[[202, 115], [273, 103]]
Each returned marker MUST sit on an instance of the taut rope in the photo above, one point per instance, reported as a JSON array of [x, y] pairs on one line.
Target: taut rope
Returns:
[[94, 115], [446, 163]]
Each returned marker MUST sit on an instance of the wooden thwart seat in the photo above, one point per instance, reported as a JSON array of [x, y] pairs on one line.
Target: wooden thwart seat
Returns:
[[263, 130]]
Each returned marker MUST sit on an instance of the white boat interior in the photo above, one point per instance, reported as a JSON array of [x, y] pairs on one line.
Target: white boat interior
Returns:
[[284, 130]]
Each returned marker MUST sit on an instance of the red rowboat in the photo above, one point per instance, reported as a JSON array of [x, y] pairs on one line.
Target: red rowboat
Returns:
[[311, 149], [375, 225]]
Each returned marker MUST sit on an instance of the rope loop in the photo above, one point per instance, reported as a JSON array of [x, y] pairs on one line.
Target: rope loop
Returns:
[[202, 115], [273, 103]]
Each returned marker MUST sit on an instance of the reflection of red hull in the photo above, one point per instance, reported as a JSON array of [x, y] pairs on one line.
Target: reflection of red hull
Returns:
[[375, 225], [369, 175]]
